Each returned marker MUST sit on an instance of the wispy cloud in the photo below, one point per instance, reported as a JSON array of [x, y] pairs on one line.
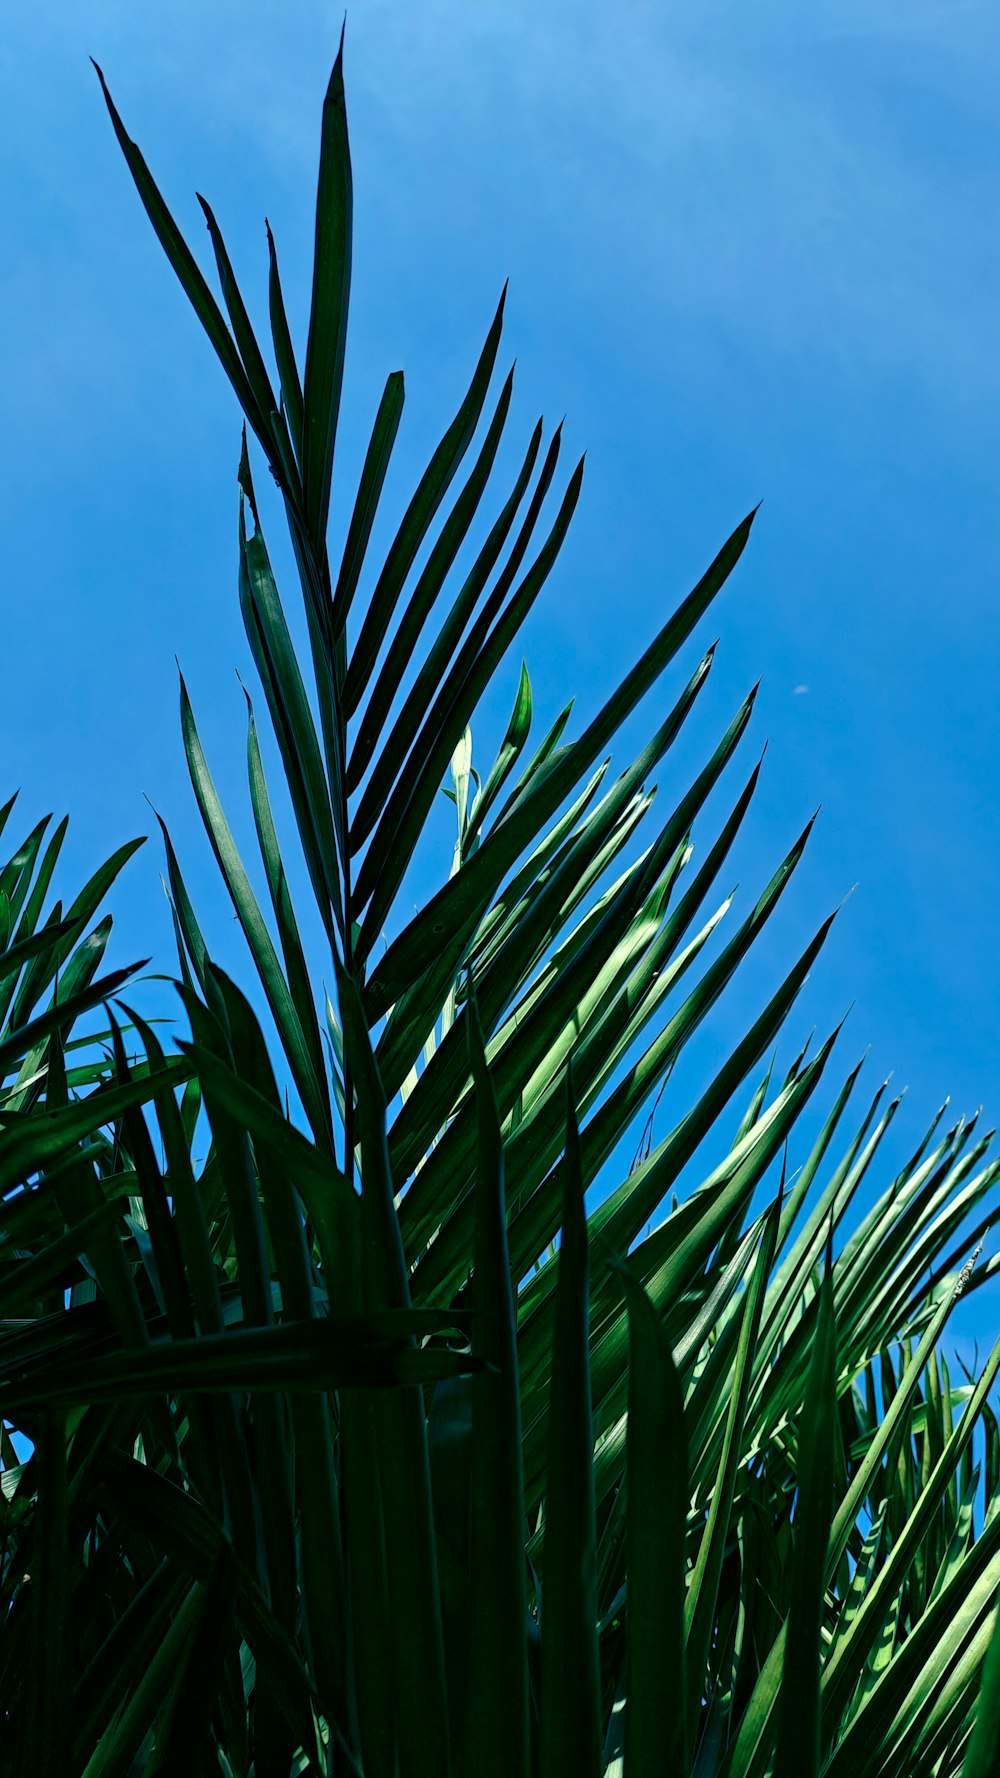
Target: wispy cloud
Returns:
[[790, 174]]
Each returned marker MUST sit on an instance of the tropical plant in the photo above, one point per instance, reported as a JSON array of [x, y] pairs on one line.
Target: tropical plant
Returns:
[[374, 1452]]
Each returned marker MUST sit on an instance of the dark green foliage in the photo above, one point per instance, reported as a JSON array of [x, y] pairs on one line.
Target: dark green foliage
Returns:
[[365, 1441]]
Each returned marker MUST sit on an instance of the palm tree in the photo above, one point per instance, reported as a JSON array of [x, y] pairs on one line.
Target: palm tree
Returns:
[[400, 1436]]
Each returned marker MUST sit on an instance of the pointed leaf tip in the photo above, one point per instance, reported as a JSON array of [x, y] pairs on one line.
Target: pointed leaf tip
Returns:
[[337, 71]]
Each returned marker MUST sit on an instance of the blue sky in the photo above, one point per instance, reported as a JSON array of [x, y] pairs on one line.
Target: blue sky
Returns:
[[753, 256]]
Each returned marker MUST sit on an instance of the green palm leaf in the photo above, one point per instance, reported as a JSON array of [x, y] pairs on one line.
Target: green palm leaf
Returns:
[[353, 1455]]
